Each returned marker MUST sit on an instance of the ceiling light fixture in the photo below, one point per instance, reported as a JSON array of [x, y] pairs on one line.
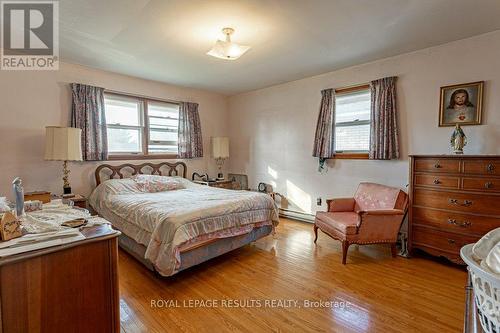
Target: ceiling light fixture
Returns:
[[225, 49]]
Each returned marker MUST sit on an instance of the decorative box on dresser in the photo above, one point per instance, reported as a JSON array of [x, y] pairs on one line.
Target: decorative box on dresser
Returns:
[[454, 200], [79, 201]]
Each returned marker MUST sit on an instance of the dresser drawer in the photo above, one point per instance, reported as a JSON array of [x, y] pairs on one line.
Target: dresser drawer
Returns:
[[441, 240], [437, 181], [454, 222], [437, 165], [482, 167], [482, 184], [455, 201], [461, 202]]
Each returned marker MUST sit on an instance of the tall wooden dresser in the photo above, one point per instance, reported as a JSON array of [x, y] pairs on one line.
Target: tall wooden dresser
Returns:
[[454, 200]]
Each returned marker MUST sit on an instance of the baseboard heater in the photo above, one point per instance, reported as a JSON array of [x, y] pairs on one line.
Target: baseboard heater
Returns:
[[296, 215]]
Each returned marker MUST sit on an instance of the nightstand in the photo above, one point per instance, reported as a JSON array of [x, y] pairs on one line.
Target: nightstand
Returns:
[[271, 194], [43, 196], [227, 184]]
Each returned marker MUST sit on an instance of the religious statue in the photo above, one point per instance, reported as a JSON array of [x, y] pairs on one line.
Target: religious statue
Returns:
[[17, 187], [458, 140]]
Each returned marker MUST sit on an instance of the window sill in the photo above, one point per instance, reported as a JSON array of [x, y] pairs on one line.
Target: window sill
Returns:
[[142, 157], [351, 156]]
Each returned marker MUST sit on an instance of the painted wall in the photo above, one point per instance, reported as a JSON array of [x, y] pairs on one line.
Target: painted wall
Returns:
[[272, 129], [30, 100]]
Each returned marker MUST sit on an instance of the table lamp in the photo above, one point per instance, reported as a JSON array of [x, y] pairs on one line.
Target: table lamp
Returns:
[[63, 144], [220, 152]]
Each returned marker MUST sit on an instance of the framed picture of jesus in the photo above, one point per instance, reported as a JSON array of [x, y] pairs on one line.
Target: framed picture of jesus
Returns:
[[461, 104]]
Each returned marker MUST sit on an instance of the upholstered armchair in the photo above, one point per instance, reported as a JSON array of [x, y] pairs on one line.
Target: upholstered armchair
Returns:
[[373, 216]]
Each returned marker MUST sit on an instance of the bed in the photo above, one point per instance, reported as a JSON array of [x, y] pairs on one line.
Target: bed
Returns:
[[171, 230]]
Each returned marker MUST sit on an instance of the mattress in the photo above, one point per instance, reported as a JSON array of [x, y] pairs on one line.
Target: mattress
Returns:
[[166, 222]]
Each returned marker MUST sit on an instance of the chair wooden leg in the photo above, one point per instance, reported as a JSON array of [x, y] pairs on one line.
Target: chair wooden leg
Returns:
[[315, 233], [394, 250], [345, 247]]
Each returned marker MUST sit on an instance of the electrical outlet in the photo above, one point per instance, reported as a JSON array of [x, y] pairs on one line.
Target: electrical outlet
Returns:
[[318, 201]]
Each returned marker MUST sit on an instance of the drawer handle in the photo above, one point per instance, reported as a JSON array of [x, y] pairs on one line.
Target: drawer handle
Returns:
[[466, 203], [437, 181], [437, 165], [451, 241], [464, 224], [490, 168], [488, 185]]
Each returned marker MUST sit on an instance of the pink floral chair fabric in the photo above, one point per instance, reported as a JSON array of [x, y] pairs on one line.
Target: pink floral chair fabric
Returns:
[[373, 216]]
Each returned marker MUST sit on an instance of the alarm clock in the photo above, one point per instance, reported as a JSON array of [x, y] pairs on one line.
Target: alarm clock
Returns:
[[262, 187]]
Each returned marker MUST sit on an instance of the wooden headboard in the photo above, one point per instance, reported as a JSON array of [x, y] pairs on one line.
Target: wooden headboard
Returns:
[[162, 169]]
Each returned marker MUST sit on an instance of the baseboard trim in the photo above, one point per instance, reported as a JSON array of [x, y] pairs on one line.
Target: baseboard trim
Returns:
[[295, 215]]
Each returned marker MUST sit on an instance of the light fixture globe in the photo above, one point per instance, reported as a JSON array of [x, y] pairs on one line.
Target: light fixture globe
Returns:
[[225, 49]]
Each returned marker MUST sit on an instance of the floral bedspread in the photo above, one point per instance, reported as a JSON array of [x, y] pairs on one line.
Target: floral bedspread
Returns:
[[164, 221]]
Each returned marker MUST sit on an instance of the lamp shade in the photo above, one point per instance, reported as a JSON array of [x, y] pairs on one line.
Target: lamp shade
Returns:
[[63, 143], [220, 147], [225, 49]]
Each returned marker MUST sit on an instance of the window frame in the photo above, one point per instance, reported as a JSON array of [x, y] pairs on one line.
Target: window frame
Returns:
[[144, 154], [148, 130], [352, 155]]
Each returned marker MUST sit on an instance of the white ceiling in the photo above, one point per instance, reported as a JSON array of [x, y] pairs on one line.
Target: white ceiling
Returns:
[[167, 40]]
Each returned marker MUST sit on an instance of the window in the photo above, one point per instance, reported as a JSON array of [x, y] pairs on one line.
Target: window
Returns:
[[352, 122], [140, 127], [124, 122], [163, 120]]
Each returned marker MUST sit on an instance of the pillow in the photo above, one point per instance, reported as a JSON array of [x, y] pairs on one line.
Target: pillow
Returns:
[[111, 187], [154, 183], [119, 186], [482, 248]]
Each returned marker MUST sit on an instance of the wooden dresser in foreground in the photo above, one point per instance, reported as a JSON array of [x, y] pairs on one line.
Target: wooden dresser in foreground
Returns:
[[454, 200], [67, 288]]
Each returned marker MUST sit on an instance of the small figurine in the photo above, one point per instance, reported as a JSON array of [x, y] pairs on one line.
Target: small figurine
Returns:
[[17, 187], [458, 140]]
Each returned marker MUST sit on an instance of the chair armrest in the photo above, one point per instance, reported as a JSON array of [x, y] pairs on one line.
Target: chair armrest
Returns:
[[380, 225], [382, 212], [341, 205]]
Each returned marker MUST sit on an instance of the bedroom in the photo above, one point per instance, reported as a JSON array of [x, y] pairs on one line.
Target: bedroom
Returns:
[[238, 268]]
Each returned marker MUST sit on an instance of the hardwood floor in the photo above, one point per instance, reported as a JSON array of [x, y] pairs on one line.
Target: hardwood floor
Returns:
[[383, 294]]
